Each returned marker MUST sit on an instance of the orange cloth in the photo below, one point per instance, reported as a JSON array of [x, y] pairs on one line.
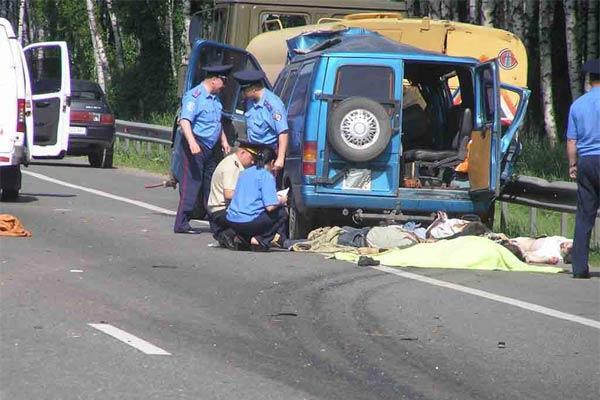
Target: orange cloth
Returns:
[[11, 226], [464, 166]]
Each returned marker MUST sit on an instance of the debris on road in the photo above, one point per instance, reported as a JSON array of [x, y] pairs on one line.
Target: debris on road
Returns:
[[12, 227]]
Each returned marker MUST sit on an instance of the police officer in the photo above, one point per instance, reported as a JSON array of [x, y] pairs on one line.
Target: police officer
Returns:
[[583, 151], [222, 186], [200, 123], [266, 116], [257, 212]]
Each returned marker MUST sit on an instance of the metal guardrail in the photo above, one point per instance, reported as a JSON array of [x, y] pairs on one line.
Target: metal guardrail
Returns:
[[532, 192]]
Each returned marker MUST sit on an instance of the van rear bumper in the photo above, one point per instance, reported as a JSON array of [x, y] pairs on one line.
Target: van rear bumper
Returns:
[[421, 201], [17, 157]]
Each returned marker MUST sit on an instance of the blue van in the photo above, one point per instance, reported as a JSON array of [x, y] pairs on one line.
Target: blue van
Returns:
[[375, 131]]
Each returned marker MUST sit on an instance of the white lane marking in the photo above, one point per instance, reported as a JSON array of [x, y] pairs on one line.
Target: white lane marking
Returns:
[[128, 338], [101, 193], [494, 297], [436, 282], [76, 270]]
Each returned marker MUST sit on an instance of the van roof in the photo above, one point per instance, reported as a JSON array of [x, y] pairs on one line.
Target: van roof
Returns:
[[9, 29], [376, 5], [371, 43]]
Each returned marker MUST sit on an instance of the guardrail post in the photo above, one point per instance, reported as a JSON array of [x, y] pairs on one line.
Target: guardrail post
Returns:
[[596, 234], [126, 144], [563, 224], [532, 221], [503, 216]]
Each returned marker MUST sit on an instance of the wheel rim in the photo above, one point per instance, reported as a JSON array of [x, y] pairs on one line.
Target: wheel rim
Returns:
[[360, 129]]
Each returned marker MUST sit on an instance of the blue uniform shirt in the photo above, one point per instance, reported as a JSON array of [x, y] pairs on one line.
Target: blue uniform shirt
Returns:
[[254, 191], [584, 123], [203, 110], [265, 119]]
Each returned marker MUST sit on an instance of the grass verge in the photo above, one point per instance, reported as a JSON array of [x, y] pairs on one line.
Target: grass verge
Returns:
[[154, 158]]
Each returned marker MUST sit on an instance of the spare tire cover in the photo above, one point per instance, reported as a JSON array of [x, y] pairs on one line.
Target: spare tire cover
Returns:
[[359, 129]]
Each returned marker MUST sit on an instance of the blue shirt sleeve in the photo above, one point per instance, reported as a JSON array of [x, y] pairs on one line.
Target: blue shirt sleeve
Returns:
[[572, 126], [268, 190], [188, 107], [280, 119]]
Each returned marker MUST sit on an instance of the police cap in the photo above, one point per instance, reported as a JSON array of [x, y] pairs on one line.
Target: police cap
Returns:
[[252, 148], [217, 70], [249, 77], [591, 66]]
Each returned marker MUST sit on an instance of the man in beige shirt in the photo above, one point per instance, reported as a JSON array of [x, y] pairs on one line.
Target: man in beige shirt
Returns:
[[223, 183]]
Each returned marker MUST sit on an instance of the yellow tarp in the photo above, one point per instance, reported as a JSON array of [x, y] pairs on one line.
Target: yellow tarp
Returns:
[[468, 252]]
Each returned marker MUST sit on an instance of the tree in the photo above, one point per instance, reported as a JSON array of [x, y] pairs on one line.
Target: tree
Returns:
[[573, 55], [187, 10], [545, 25], [487, 12], [114, 23], [170, 34], [100, 58], [21, 21]]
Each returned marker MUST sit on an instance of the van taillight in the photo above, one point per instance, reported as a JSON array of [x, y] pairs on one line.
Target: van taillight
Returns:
[[309, 158], [21, 115]]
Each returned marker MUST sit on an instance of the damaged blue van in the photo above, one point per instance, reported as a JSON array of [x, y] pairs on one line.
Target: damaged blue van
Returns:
[[375, 131]]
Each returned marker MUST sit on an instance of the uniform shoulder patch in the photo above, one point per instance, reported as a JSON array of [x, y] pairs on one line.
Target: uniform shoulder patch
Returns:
[[268, 106], [196, 93], [277, 116]]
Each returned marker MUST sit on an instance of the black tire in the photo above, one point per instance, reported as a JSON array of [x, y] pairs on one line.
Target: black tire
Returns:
[[367, 137], [96, 157], [299, 224], [107, 161], [9, 194]]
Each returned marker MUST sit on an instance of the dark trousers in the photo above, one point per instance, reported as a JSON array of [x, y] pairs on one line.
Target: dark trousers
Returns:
[[218, 223], [588, 202], [196, 174], [264, 227]]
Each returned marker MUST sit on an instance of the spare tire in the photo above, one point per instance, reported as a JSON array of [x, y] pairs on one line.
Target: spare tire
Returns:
[[359, 129]]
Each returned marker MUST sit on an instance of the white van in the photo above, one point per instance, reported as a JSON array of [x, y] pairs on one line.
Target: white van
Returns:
[[34, 105]]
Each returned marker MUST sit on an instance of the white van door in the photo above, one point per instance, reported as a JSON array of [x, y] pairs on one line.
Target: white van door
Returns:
[[50, 77]]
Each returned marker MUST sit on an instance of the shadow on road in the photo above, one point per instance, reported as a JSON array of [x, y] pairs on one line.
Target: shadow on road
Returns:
[[60, 164], [59, 195]]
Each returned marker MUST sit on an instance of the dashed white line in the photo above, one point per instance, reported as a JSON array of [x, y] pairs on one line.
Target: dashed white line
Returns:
[[494, 297], [431, 281], [134, 341]]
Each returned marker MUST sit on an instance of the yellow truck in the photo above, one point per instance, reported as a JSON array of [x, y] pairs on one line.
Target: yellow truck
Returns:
[[447, 37]]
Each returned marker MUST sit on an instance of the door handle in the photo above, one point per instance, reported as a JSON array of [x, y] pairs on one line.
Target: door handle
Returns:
[[42, 104]]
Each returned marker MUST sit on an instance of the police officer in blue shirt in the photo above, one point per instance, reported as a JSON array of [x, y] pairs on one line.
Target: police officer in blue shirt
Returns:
[[266, 116], [257, 212], [583, 150], [200, 122]]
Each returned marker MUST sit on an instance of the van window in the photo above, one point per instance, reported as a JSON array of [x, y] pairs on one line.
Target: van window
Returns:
[[364, 80], [277, 21], [488, 95], [280, 82], [45, 69], [289, 85], [298, 100]]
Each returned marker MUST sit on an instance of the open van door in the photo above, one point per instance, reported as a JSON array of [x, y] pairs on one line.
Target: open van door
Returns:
[[484, 153], [50, 77]]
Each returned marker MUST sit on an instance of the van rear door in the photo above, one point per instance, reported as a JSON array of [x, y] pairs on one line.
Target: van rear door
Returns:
[[50, 77], [484, 151]]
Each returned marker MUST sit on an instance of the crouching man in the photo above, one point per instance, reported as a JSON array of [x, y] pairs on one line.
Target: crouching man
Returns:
[[257, 213], [222, 187]]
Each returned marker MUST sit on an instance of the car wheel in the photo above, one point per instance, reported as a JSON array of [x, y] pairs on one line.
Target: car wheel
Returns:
[[95, 158], [107, 161], [9, 194], [299, 224], [359, 129]]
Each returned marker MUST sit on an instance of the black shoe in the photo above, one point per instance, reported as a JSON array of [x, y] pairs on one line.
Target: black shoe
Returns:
[[190, 231], [258, 248], [240, 244], [581, 276]]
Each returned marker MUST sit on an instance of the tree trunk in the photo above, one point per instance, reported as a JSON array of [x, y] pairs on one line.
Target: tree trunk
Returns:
[[21, 21], [445, 11], [169, 28], [98, 46], [573, 55], [473, 12], [545, 26], [487, 12], [187, 10], [435, 8], [114, 23], [592, 30], [411, 8]]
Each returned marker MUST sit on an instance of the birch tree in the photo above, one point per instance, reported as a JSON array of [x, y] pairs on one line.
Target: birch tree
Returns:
[[114, 23], [473, 11], [545, 25], [101, 61], [169, 29], [187, 10], [487, 12], [573, 58], [435, 8], [21, 21], [592, 30]]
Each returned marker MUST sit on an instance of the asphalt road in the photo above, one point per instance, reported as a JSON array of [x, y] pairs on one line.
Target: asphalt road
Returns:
[[262, 326]]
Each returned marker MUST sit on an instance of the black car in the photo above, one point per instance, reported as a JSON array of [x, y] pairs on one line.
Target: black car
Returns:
[[92, 131]]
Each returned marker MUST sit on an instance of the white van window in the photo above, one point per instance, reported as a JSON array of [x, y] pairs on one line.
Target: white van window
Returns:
[[277, 21], [44, 69]]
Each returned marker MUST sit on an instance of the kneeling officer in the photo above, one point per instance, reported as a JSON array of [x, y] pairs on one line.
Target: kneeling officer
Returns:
[[257, 212]]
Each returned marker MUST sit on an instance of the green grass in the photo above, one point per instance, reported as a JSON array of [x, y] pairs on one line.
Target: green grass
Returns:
[[156, 159]]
